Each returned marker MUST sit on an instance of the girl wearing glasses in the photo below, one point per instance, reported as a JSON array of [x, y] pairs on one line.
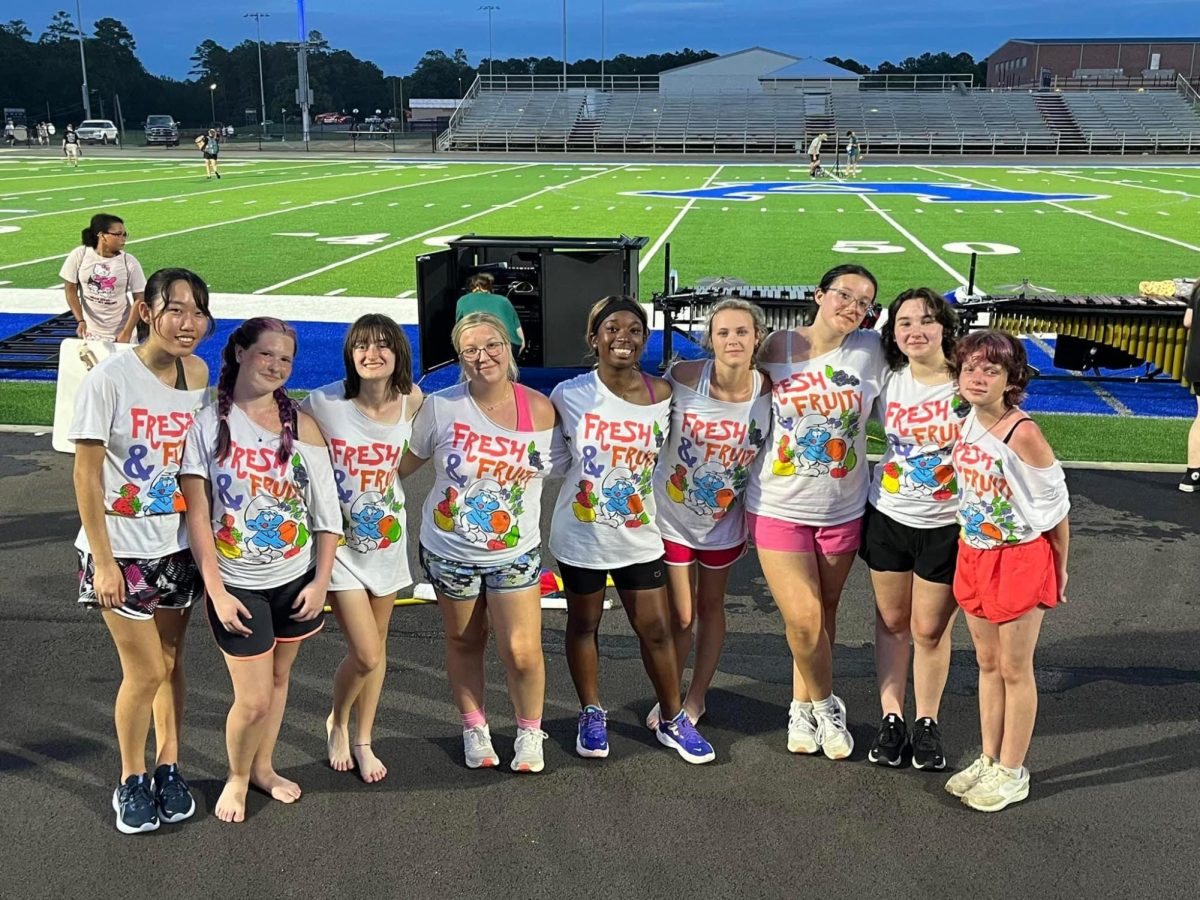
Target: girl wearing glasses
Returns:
[[131, 415], [805, 501], [98, 276], [720, 416], [615, 421], [489, 439], [367, 421]]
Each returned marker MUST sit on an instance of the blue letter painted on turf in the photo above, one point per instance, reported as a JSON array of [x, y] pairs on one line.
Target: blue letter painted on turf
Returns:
[[923, 191]]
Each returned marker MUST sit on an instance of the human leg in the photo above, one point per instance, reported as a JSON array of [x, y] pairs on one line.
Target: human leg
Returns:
[[169, 700], [262, 769], [1017, 641], [370, 768], [143, 672], [517, 619], [893, 613], [710, 636], [986, 637], [244, 726], [933, 614], [355, 615]]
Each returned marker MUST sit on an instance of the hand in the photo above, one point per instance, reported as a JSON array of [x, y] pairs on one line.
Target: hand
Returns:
[[230, 612], [309, 602], [1062, 585], [80, 329], [108, 583]]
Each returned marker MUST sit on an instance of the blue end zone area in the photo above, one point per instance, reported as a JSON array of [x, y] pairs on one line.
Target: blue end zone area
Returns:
[[319, 362]]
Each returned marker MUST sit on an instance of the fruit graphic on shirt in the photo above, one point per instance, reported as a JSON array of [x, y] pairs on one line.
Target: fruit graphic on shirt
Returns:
[[836, 448], [990, 530], [389, 529], [890, 481], [677, 484], [584, 504], [228, 538], [128, 503], [783, 464], [446, 510], [847, 465]]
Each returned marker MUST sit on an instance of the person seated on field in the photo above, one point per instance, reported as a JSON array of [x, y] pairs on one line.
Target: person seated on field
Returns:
[[481, 299]]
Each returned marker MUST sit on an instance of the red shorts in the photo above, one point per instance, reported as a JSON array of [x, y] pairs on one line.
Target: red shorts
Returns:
[[791, 537], [683, 555], [1002, 585]]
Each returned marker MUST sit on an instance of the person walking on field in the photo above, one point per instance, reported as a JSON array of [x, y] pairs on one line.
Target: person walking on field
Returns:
[[210, 148], [70, 144], [814, 154]]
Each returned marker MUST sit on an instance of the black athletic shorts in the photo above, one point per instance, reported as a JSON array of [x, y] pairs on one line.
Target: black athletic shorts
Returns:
[[271, 622], [891, 546], [639, 577]]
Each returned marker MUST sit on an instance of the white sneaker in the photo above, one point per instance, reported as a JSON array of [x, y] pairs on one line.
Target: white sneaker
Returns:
[[997, 789], [802, 730], [832, 734], [478, 749], [961, 782], [527, 755]]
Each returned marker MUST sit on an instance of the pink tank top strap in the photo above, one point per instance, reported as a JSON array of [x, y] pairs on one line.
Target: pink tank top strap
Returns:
[[649, 387], [524, 416]]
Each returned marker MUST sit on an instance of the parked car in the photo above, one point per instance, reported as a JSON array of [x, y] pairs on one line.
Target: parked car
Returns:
[[97, 131], [162, 130], [331, 118]]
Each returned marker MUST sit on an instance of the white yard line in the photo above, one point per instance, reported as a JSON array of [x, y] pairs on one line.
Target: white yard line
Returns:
[[430, 231], [662, 238], [190, 176], [335, 292], [912, 238], [1086, 215], [276, 212], [1140, 187], [1109, 400]]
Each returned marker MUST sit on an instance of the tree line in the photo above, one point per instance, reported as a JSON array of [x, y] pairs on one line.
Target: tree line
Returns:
[[43, 76]]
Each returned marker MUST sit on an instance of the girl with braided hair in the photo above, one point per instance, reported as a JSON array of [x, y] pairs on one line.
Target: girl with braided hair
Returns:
[[264, 521]]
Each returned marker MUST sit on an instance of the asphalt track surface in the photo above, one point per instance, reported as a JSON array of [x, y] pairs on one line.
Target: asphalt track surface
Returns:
[[1113, 810]]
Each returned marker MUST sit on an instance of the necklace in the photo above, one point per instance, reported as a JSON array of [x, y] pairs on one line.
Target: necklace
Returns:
[[971, 439], [261, 436], [497, 404]]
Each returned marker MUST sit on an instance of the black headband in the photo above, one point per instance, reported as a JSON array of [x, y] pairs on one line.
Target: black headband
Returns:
[[616, 305]]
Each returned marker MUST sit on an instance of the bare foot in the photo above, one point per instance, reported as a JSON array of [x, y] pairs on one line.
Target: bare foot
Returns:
[[280, 788], [231, 805], [693, 714], [338, 745], [369, 766]]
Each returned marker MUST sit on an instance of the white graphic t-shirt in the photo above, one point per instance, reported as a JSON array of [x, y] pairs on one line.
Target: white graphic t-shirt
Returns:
[[605, 514], [704, 467], [814, 470], [142, 424], [103, 283], [1001, 498], [264, 514], [914, 481], [372, 552], [486, 502]]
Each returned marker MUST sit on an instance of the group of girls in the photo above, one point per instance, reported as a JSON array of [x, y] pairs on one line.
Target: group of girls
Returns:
[[271, 509]]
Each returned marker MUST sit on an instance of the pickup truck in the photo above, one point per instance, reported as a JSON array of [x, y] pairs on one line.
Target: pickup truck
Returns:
[[162, 130]]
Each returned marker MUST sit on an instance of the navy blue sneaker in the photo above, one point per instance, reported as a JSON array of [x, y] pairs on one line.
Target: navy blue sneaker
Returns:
[[681, 734], [134, 805], [592, 741], [171, 794]]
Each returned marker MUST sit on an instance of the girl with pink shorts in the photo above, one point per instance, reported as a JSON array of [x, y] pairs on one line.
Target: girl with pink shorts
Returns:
[[808, 490], [719, 418], [1012, 558]]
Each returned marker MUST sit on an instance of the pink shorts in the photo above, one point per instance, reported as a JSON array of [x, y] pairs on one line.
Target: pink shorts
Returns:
[[791, 537], [683, 555]]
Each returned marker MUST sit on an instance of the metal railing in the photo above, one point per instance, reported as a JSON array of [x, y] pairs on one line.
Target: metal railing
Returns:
[[640, 84], [902, 82], [1187, 91]]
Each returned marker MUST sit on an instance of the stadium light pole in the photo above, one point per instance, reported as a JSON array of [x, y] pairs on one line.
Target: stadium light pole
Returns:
[[491, 8], [212, 103], [603, 51], [564, 45], [262, 94], [87, 97]]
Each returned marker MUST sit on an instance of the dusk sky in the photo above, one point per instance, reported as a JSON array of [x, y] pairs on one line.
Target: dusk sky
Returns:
[[395, 33]]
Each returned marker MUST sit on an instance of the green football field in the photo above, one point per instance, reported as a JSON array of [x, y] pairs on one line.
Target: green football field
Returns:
[[325, 227]]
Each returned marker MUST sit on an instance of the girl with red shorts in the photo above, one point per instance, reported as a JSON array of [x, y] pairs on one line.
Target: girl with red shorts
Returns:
[[1012, 558], [720, 414]]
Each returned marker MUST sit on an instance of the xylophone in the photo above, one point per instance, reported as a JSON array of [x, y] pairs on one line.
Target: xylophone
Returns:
[[1142, 330]]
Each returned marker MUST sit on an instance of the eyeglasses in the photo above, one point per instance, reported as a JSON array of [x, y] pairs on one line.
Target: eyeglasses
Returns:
[[844, 298], [120, 234], [493, 348]]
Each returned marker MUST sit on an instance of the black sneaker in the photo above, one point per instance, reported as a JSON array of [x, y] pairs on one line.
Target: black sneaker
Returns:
[[927, 745], [134, 805], [171, 794], [888, 747], [1191, 481]]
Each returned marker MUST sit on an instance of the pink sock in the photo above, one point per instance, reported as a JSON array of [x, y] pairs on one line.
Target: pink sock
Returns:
[[533, 724], [473, 718]]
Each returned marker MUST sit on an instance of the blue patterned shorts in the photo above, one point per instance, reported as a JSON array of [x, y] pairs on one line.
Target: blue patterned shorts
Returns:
[[466, 581]]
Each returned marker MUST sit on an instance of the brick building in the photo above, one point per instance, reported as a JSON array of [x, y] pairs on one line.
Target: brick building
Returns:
[[1041, 61]]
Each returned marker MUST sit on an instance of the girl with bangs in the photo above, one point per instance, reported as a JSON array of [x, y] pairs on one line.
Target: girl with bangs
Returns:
[[367, 422], [1012, 558], [264, 520], [131, 415], [910, 541]]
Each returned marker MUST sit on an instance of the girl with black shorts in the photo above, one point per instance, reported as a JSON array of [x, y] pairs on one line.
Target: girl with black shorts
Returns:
[[614, 420], [910, 541], [131, 415], [264, 522]]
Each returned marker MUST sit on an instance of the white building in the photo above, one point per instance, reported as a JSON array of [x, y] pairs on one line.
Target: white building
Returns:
[[756, 70]]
